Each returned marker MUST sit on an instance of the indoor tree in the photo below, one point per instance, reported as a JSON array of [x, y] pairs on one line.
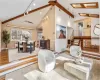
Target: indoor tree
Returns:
[[5, 37]]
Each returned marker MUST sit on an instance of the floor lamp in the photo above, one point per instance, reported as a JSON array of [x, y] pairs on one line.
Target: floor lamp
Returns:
[[97, 32]]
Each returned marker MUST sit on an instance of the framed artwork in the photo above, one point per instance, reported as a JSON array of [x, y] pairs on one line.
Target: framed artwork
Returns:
[[80, 26], [39, 35], [60, 31], [13, 34], [17, 34]]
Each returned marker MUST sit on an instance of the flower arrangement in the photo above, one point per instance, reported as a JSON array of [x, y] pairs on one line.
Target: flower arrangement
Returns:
[[26, 37]]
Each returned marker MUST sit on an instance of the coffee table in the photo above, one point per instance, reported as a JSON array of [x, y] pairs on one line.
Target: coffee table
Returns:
[[81, 71]]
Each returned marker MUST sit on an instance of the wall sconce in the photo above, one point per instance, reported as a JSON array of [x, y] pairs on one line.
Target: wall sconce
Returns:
[[58, 20], [68, 24]]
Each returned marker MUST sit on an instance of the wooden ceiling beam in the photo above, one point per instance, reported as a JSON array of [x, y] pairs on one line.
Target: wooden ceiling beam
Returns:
[[61, 7], [90, 5], [83, 5], [21, 15], [66, 11], [89, 15]]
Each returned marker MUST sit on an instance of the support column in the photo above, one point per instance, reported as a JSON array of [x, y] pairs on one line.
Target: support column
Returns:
[[0, 36]]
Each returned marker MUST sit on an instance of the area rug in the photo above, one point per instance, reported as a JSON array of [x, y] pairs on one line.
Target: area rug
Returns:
[[38, 75]]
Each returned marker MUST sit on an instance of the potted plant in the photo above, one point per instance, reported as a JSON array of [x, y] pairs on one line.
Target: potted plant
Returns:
[[5, 38], [4, 52]]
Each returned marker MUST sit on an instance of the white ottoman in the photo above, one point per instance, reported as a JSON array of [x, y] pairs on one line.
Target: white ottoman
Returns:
[[80, 71]]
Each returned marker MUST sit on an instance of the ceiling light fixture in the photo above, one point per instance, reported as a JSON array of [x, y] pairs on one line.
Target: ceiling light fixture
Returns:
[[85, 5], [40, 13], [58, 20], [89, 15], [34, 4], [29, 7]]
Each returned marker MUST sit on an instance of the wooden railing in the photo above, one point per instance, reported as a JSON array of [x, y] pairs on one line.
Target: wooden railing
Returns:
[[82, 38]]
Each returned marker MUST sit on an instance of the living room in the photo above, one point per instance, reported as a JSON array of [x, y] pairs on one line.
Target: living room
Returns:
[[62, 26]]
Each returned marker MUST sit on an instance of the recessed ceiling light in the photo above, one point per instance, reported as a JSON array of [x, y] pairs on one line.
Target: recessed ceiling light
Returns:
[[76, 5], [40, 12], [34, 4], [58, 19], [86, 5], [82, 14]]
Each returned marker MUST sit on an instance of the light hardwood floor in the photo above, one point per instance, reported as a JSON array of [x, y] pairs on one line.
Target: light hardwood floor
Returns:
[[95, 73]]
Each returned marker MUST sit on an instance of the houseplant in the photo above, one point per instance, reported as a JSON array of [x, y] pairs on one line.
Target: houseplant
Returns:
[[5, 37]]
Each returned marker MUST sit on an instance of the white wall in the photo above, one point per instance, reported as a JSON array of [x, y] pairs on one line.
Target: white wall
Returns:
[[62, 19], [48, 26], [85, 31]]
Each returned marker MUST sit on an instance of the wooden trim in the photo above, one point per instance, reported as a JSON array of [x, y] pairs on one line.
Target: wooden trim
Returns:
[[61, 7], [17, 65], [83, 5], [53, 3], [89, 55], [87, 7], [28, 57], [34, 59], [85, 37], [21, 15], [89, 15]]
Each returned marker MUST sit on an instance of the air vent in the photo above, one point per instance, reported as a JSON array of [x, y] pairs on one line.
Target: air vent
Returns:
[[29, 22]]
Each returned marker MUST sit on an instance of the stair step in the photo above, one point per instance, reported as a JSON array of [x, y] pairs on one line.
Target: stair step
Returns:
[[92, 56], [91, 53]]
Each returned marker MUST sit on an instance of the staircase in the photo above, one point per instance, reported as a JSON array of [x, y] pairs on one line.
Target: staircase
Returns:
[[91, 55]]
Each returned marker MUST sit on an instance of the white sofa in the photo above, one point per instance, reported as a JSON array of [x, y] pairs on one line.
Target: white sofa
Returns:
[[46, 60]]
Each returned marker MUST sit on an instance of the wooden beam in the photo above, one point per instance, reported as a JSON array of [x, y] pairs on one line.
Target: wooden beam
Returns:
[[21, 15], [61, 7], [82, 5], [52, 2], [66, 11], [90, 15]]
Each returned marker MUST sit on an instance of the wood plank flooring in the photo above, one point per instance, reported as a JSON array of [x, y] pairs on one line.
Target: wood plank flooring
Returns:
[[19, 64], [4, 58]]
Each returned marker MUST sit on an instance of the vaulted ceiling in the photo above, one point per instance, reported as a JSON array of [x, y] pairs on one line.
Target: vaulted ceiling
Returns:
[[76, 11], [12, 8]]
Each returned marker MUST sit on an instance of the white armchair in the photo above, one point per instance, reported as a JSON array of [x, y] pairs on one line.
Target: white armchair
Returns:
[[76, 53], [46, 60]]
